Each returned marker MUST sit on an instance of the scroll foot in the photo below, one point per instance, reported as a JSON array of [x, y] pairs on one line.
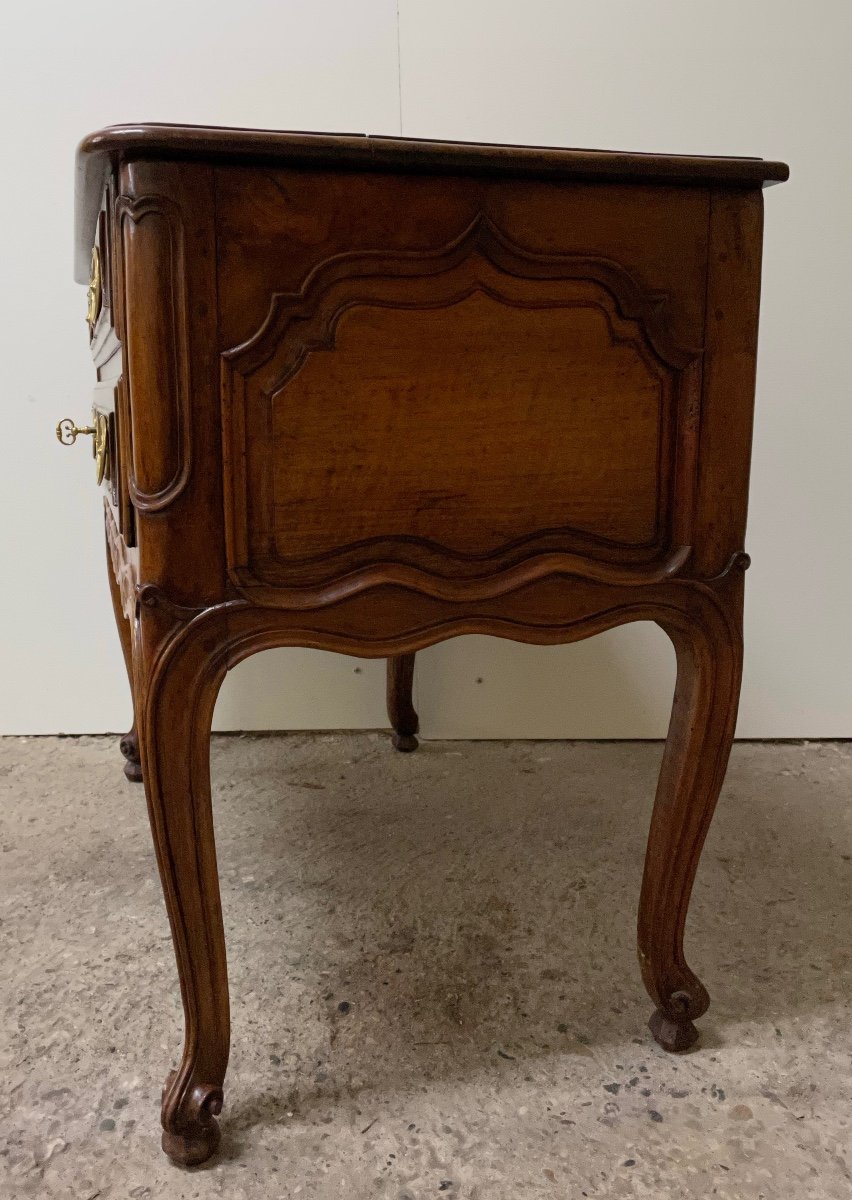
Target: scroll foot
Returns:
[[674, 1033], [192, 1134], [129, 747]]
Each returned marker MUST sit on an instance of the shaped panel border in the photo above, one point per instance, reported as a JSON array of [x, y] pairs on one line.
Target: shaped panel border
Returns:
[[481, 258]]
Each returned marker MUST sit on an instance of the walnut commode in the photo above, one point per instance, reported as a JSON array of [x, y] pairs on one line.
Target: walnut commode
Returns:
[[364, 394]]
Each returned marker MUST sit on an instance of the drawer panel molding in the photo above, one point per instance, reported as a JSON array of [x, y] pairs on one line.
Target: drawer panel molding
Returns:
[[157, 352]]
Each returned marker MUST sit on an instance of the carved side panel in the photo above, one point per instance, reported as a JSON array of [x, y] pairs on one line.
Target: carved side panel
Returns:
[[157, 352], [458, 413]]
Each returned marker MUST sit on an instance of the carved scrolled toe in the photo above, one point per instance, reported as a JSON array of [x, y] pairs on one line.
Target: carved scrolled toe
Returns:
[[680, 996], [676, 1036], [673, 1024], [190, 1129], [133, 772], [406, 742], [129, 747]]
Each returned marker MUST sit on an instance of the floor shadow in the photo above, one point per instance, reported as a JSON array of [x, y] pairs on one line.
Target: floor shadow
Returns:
[[472, 908]]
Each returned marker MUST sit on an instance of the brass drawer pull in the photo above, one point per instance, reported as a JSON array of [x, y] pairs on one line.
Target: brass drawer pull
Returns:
[[67, 433], [94, 294]]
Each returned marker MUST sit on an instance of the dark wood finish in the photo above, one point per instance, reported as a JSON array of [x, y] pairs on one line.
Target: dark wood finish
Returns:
[[401, 711], [129, 743], [370, 394], [100, 153]]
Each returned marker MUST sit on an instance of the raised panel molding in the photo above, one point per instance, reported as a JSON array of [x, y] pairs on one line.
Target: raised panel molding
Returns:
[[157, 355], [315, 302], [481, 259]]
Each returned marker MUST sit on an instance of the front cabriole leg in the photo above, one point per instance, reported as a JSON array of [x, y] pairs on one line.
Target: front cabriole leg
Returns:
[[707, 636], [178, 710]]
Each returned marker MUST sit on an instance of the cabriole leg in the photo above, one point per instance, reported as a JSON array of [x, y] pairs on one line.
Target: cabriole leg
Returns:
[[709, 668], [401, 711], [178, 710]]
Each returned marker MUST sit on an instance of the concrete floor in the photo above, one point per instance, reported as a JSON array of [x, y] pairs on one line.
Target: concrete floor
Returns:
[[473, 905]]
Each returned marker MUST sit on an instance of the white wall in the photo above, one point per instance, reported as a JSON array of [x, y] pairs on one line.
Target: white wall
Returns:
[[763, 77]]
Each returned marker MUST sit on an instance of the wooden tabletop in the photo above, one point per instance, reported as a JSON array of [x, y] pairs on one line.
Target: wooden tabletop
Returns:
[[101, 151]]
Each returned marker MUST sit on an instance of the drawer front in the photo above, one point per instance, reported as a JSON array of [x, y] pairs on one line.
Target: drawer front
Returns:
[[110, 404], [109, 407], [101, 318], [504, 372]]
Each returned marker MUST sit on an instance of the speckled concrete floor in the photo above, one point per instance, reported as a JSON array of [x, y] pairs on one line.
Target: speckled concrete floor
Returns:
[[433, 976]]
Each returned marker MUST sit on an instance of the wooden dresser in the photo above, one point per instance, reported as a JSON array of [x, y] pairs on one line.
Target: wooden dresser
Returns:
[[364, 394]]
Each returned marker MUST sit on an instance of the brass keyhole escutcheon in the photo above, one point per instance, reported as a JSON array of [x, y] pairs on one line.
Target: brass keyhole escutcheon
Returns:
[[93, 305], [67, 433]]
